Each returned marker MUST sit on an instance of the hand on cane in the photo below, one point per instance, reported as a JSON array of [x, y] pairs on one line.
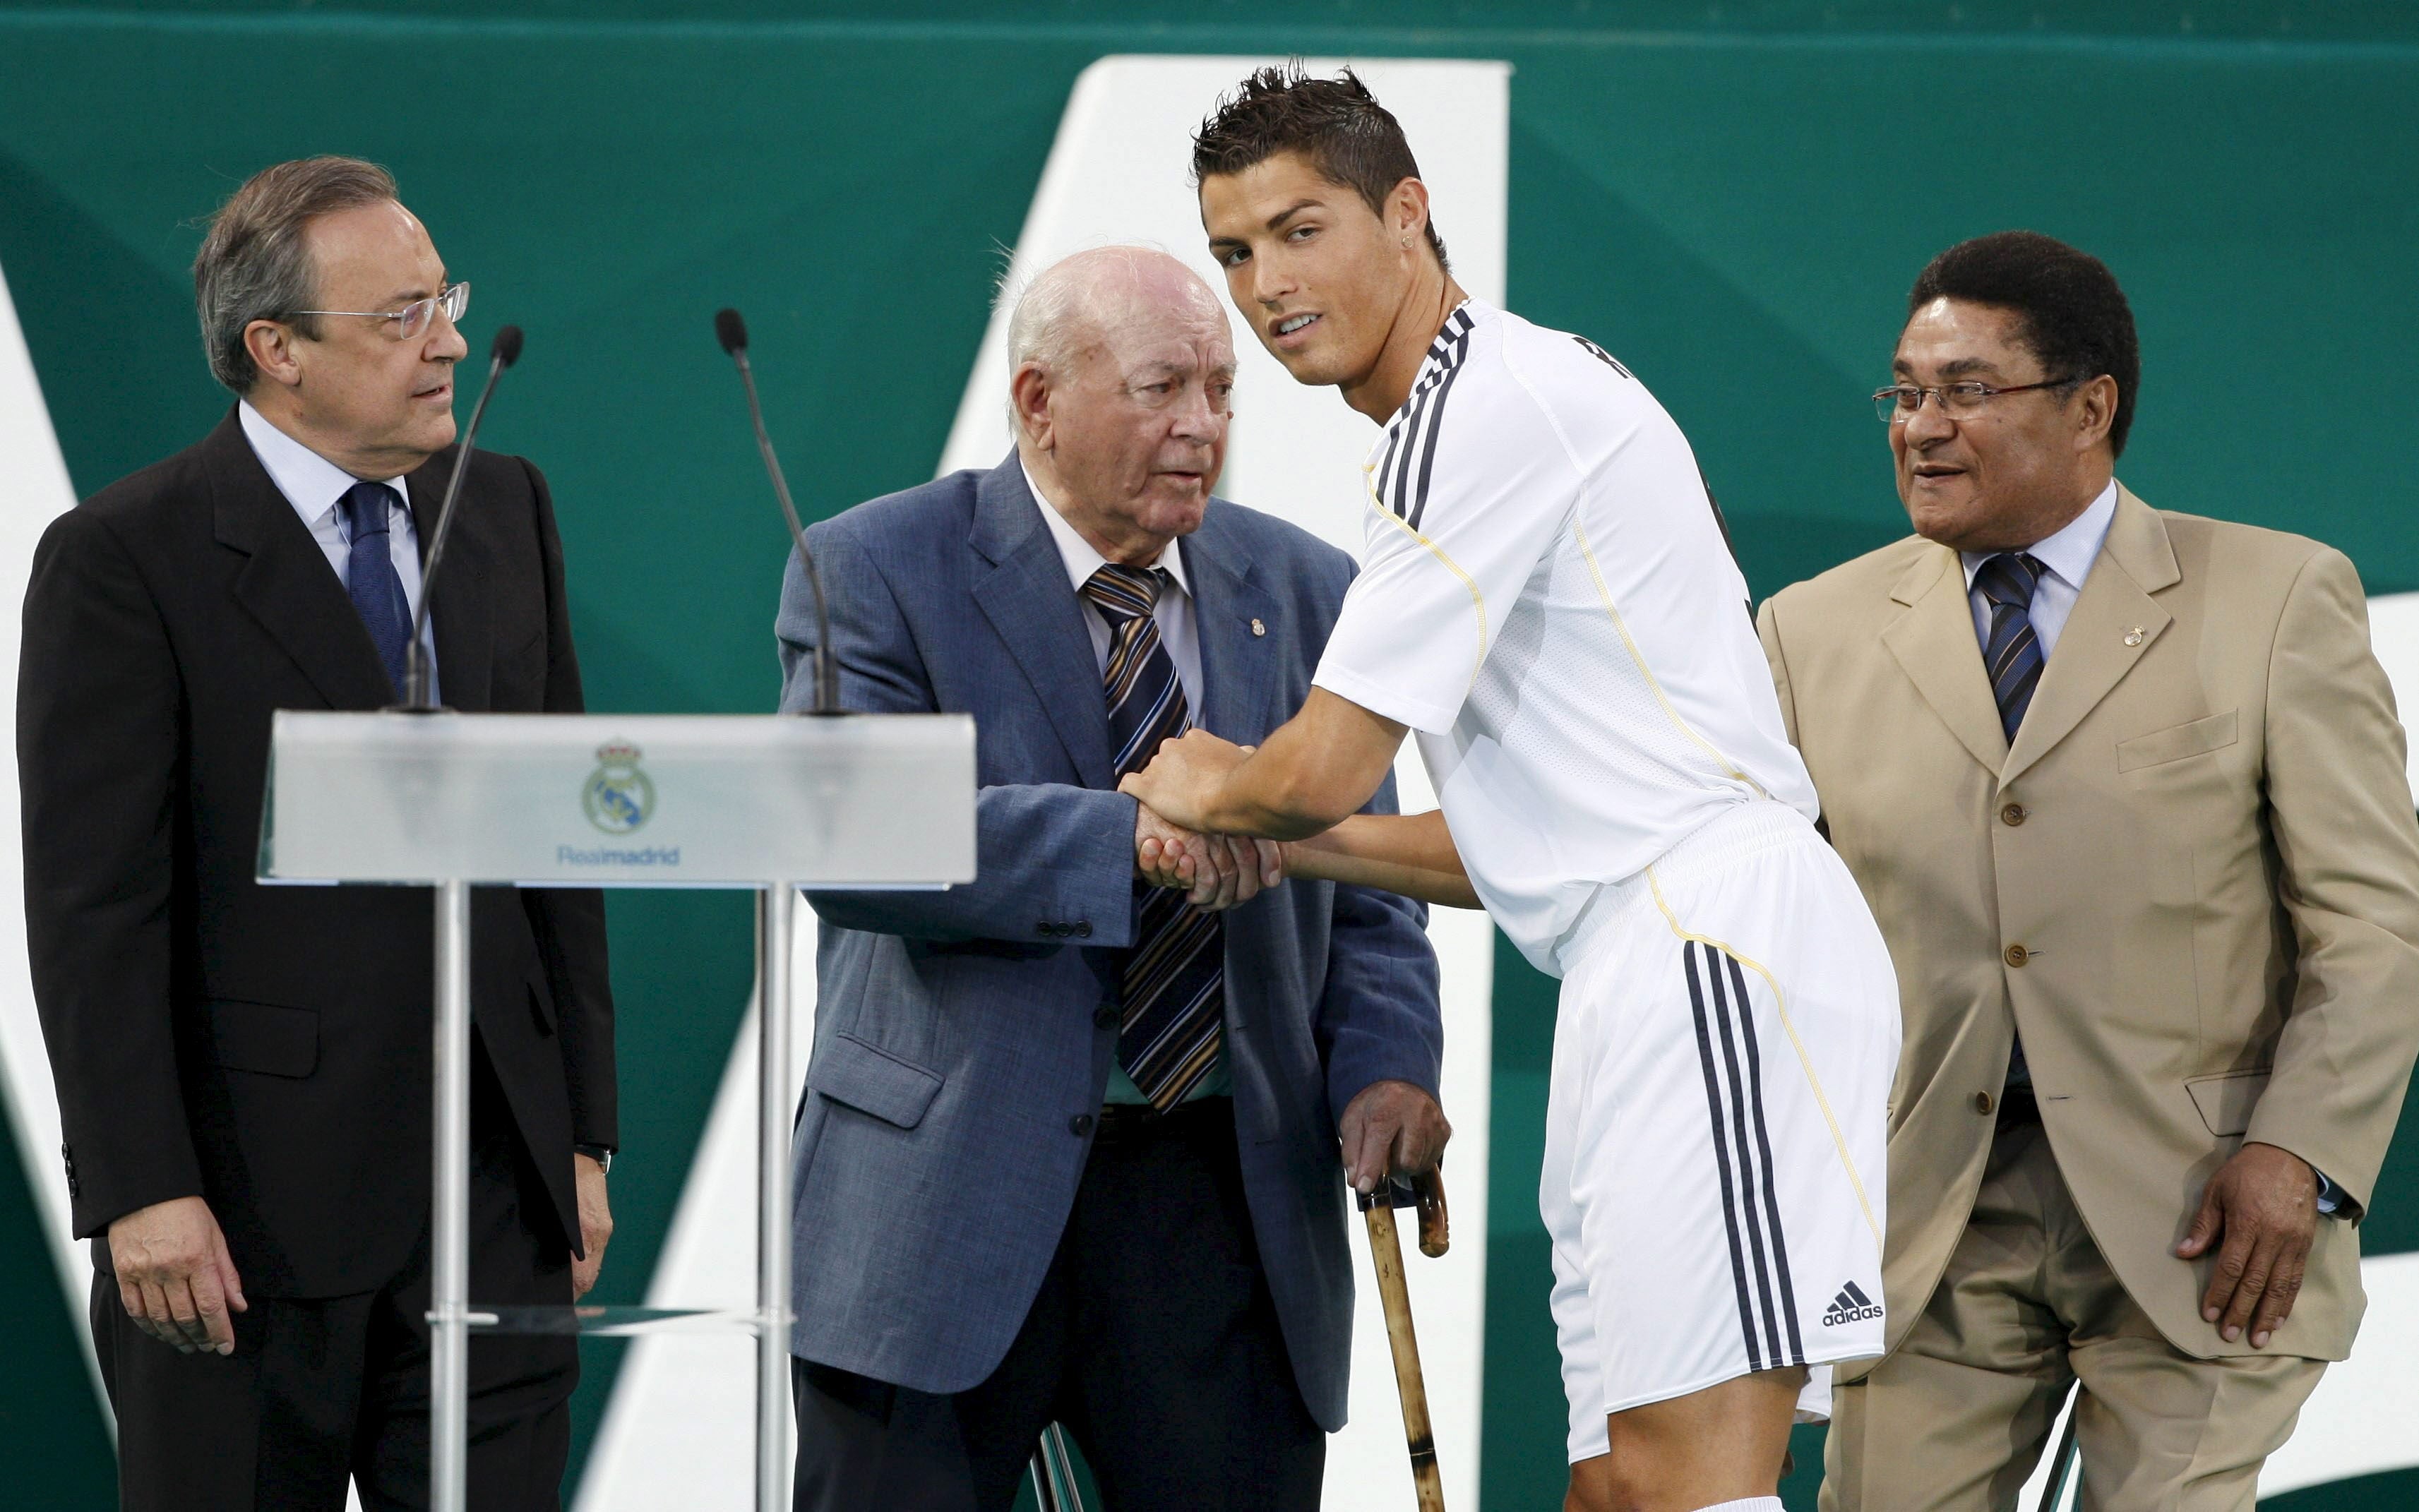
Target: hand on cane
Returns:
[[1392, 1128]]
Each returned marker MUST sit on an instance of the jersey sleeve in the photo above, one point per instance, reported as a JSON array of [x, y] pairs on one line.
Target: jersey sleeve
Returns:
[[1449, 551]]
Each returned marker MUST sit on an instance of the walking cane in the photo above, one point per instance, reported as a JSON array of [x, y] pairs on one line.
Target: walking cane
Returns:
[[1427, 1193]]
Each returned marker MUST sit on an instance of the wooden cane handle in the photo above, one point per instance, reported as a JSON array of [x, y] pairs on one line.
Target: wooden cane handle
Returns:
[[1436, 1224]]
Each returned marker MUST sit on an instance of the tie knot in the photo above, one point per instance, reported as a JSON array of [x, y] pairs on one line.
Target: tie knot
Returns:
[[2010, 578], [365, 508], [1124, 593]]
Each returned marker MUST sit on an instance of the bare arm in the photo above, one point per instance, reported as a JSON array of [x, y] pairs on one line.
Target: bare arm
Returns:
[[1412, 854], [1316, 771]]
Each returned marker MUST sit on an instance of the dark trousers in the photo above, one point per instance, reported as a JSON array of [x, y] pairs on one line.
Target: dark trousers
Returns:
[[322, 1389], [1153, 1340]]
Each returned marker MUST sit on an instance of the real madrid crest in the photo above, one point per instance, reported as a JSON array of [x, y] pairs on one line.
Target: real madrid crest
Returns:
[[618, 797]]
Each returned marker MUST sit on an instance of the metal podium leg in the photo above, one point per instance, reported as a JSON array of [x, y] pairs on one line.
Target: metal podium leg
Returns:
[[450, 1279], [776, 910]]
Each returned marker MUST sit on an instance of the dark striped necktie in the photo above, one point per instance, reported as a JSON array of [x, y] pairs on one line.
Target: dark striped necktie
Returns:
[[1175, 986], [370, 578], [2012, 655]]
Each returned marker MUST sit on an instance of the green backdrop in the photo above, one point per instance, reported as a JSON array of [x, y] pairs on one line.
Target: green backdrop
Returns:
[[1732, 198]]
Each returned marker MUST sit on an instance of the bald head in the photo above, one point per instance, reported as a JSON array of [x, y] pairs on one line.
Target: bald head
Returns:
[[1074, 303], [1122, 377]]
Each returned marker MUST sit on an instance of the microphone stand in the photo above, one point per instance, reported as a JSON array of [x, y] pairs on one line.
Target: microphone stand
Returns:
[[732, 332], [502, 355]]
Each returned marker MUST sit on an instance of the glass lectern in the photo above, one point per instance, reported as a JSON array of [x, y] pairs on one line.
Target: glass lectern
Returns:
[[765, 803]]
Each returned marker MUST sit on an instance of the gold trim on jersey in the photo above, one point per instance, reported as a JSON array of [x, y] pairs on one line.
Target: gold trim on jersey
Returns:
[[1729, 768], [1477, 600]]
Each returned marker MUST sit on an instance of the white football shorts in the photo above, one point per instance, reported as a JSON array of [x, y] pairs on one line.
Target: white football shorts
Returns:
[[1714, 1175]]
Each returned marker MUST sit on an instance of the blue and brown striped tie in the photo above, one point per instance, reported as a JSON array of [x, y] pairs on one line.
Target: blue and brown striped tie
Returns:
[[1175, 974], [2012, 655]]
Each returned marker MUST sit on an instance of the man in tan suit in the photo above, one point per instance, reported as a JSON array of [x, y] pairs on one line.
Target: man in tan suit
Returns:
[[2125, 790]]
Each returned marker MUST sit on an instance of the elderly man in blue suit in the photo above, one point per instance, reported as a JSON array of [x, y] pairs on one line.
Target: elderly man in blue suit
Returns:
[[1074, 1147]]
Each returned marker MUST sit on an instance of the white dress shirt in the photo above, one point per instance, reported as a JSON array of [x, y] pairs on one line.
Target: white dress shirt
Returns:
[[1174, 612], [2067, 556], [314, 486]]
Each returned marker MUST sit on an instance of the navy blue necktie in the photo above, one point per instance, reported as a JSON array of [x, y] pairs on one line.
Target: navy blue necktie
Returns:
[[2012, 657], [370, 578], [1175, 977]]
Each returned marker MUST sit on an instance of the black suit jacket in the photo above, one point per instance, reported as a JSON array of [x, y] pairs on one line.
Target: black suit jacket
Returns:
[[267, 1047]]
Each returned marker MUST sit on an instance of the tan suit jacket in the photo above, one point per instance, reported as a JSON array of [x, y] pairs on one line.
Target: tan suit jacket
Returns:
[[2193, 885]]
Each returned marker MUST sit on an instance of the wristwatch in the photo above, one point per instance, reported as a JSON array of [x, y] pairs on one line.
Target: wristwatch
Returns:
[[597, 1153]]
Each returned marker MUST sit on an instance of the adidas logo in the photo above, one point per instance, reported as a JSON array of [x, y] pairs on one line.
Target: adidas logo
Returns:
[[1850, 1306]]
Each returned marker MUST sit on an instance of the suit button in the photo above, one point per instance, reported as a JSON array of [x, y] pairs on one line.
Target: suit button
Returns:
[[2012, 814], [1043, 928], [2018, 956], [1106, 1016], [1080, 1125], [1982, 1103], [1083, 927]]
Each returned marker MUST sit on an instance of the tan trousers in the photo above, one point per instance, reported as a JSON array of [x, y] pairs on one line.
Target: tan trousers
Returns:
[[1958, 1416]]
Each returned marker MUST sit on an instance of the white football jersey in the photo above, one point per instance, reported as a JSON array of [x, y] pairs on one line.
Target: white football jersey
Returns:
[[1547, 597]]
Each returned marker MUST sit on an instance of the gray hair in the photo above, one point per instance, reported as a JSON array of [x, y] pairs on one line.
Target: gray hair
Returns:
[[253, 265], [1056, 318]]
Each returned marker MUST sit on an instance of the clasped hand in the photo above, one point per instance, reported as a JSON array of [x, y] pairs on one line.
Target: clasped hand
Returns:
[[1171, 849], [1214, 871], [1183, 776]]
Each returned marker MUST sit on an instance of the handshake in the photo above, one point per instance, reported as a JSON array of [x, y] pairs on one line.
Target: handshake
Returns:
[[1218, 871]]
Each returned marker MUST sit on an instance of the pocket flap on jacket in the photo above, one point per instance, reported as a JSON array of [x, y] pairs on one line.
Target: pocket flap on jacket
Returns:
[[2178, 741], [872, 1081], [2226, 1101], [263, 1037]]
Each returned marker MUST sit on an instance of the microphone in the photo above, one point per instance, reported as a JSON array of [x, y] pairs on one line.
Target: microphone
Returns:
[[503, 353], [731, 332]]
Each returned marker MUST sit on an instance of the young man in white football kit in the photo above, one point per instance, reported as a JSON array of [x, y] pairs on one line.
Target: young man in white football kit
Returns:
[[1547, 599]]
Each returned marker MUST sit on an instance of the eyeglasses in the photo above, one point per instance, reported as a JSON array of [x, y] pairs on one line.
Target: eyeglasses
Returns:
[[415, 317], [1897, 405]]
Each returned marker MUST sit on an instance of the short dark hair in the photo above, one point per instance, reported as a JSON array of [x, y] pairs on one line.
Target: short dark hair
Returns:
[[253, 265], [1348, 138], [2075, 316]]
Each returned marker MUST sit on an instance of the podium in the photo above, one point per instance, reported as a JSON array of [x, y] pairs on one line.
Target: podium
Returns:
[[765, 803]]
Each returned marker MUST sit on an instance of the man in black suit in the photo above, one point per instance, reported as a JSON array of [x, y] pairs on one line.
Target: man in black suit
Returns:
[[244, 1071]]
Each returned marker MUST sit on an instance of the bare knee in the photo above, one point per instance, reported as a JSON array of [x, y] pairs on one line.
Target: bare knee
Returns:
[[1592, 1487], [1723, 1443]]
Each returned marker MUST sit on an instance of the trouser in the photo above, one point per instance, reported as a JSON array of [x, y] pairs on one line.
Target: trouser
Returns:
[[1153, 1340], [321, 1390], [1961, 1414]]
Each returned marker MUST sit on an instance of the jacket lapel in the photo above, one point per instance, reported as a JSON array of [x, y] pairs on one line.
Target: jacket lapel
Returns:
[[1027, 600], [2114, 625], [285, 582], [1934, 643], [1236, 680], [457, 618]]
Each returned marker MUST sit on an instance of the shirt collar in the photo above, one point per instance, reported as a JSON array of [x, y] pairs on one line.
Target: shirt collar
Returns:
[[312, 484], [1076, 553], [1445, 352], [2070, 551]]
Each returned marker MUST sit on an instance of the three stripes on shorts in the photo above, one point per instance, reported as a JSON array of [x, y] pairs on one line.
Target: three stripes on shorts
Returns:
[[1727, 1050]]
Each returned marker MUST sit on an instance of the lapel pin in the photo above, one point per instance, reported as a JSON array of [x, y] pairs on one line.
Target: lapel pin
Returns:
[[2134, 637], [1258, 628]]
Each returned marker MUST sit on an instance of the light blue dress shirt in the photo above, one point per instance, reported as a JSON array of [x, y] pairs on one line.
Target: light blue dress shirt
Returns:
[[315, 487]]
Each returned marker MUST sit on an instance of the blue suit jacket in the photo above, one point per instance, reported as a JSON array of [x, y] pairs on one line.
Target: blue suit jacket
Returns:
[[959, 1035]]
